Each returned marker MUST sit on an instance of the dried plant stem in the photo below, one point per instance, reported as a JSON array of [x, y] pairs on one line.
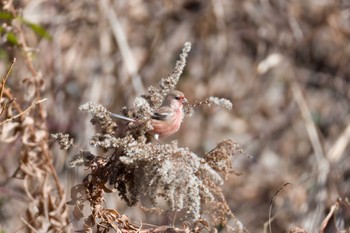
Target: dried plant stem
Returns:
[[309, 124], [336, 151], [169, 82], [28, 225], [271, 203], [4, 89], [124, 47], [199, 103], [328, 217], [322, 162], [181, 62], [8, 94], [60, 190], [36, 160], [23, 112], [3, 82], [29, 62]]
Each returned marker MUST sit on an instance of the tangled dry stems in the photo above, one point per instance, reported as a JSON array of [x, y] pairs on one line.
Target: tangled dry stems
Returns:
[[46, 210], [145, 171]]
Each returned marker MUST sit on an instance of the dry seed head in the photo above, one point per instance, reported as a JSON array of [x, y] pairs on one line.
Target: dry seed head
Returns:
[[63, 140], [222, 102]]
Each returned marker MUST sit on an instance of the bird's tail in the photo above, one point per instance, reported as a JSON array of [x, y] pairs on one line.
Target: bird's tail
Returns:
[[121, 117]]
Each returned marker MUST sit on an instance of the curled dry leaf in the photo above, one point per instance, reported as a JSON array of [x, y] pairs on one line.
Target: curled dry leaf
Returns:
[[9, 132], [78, 212]]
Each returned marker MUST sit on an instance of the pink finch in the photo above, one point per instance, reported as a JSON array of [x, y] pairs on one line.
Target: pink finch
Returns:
[[167, 119]]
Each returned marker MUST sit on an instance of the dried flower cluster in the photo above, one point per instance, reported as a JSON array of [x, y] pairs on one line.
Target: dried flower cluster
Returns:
[[63, 140], [141, 170]]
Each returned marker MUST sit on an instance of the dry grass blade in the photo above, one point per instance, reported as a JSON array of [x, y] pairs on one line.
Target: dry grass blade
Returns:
[[124, 47], [323, 166], [309, 123], [271, 203], [337, 150]]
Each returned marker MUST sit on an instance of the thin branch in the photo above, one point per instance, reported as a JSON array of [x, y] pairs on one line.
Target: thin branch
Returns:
[[12, 99], [6, 77], [62, 228], [3, 82], [21, 113], [28, 225], [271, 203]]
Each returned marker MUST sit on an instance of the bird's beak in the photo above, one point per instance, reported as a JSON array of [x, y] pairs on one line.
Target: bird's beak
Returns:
[[184, 101]]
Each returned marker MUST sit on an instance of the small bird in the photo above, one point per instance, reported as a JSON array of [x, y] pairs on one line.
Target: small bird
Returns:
[[167, 119]]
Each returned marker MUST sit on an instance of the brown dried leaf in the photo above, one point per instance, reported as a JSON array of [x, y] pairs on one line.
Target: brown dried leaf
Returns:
[[87, 229], [107, 190], [77, 194], [89, 222], [9, 132], [32, 140], [111, 214], [204, 223], [77, 211]]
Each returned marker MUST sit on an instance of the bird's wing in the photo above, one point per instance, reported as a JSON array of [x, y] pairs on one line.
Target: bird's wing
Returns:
[[162, 113]]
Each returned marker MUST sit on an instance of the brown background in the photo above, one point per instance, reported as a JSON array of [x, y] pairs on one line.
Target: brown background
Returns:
[[259, 54]]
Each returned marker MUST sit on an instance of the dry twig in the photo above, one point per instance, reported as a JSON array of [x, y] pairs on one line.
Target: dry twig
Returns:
[[23, 112]]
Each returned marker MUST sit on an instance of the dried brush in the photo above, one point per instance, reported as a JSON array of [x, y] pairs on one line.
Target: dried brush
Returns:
[[139, 169]]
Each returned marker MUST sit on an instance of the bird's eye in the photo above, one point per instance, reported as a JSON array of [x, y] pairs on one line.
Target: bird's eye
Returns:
[[178, 97]]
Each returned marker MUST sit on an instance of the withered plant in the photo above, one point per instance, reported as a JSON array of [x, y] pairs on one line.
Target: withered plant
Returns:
[[23, 125], [144, 170]]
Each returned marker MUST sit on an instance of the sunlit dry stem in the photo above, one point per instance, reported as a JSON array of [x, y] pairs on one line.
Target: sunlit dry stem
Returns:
[[199, 103], [6, 77], [21, 113], [28, 225], [329, 216], [272, 200], [222, 102], [3, 82]]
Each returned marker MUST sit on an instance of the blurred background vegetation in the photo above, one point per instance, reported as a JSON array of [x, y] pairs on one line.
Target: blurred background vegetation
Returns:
[[283, 64]]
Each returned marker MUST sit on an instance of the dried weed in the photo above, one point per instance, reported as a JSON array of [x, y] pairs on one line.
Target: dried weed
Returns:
[[142, 170]]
